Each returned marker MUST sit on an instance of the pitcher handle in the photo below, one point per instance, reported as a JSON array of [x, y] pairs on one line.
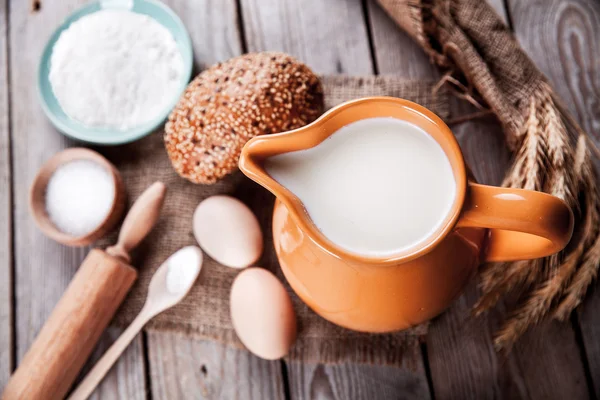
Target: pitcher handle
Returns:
[[523, 224]]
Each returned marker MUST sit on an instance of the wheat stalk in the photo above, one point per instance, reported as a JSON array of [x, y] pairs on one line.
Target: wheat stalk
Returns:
[[526, 173], [568, 172], [584, 276], [509, 277], [589, 242], [550, 290]]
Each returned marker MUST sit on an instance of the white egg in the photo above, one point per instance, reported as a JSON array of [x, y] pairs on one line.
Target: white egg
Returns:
[[228, 231], [262, 313]]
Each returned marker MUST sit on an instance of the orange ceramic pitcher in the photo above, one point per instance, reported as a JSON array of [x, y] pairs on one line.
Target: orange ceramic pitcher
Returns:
[[486, 223]]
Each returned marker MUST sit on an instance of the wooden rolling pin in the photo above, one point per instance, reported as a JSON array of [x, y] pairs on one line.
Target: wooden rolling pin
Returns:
[[71, 332]]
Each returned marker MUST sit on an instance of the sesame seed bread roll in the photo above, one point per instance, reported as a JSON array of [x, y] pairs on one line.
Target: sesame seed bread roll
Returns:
[[232, 102]]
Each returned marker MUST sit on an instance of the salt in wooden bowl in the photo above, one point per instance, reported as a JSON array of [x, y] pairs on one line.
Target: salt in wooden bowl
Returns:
[[37, 197]]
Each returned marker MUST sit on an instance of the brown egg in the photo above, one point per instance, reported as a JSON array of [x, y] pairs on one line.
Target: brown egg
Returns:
[[228, 231], [262, 313]]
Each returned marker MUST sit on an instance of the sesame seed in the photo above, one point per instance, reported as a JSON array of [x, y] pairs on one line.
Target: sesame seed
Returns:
[[258, 93]]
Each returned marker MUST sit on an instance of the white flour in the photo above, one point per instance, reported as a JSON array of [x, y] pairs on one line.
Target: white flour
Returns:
[[184, 267], [115, 69]]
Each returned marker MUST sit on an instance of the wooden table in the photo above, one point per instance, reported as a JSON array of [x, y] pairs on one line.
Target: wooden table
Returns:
[[557, 361]]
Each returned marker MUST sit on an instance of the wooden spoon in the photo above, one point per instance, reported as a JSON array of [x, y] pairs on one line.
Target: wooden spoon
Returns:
[[169, 285]]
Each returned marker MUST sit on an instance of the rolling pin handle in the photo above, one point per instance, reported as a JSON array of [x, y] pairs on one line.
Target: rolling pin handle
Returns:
[[139, 220], [119, 252]]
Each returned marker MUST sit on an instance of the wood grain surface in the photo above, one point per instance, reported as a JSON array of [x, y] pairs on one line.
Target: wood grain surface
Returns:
[[185, 368], [44, 268], [499, 7], [563, 39], [127, 379], [396, 53], [213, 28], [6, 304], [360, 382], [332, 36], [589, 325], [328, 35]]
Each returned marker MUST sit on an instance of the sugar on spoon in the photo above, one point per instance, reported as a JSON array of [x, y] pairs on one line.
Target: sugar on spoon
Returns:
[[169, 285]]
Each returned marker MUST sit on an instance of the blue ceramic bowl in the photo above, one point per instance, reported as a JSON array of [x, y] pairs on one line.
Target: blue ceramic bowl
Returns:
[[110, 136]]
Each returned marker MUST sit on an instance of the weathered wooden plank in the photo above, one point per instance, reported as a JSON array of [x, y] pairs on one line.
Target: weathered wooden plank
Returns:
[[44, 268], [498, 6], [185, 368], [550, 360], [6, 320], [180, 367], [360, 382], [213, 28], [396, 53], [126, 379], [589, 325], [462, 360], [563, 38], [329, 35]]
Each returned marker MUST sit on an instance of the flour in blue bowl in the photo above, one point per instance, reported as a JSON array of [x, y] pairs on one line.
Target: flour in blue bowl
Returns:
[[115, 69]]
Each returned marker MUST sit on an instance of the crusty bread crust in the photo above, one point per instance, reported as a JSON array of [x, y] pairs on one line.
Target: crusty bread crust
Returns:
[[232, 102]]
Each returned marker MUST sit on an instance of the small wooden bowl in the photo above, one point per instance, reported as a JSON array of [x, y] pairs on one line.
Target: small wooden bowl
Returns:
[[37, 197]]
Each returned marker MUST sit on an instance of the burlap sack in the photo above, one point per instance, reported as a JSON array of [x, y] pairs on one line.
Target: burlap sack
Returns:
[[205, 312], [467, 36]]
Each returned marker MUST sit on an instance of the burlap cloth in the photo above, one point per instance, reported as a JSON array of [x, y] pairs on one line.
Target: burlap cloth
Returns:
[[468, 37], [205, 311]]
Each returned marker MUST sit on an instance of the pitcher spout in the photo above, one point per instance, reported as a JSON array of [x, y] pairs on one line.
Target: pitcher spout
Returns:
[[259, 149]]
